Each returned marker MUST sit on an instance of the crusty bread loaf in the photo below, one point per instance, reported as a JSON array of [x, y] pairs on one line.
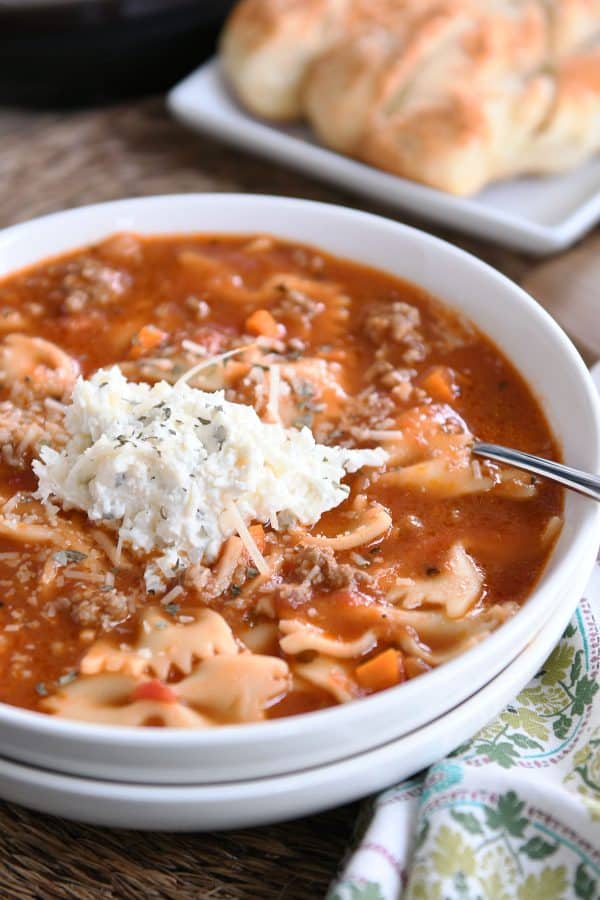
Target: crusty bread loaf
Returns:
[[572, 24], [267, 46], [570, 131], [439, 102], [453, 93]]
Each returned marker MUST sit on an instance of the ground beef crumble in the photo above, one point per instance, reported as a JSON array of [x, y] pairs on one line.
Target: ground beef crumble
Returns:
[[86, 281], [293, 300], [91, 607], [392, 320], [317, 567], [399, 323], [24, 430]]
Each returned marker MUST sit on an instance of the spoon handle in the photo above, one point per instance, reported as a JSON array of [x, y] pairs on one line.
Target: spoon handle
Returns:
[[582, 482]]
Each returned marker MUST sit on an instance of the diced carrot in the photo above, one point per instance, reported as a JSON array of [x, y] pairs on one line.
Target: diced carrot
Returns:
[[154, 690], [258, 533], [146, 339], [382, 671], [262, 323], [439, 384], [234, 371]]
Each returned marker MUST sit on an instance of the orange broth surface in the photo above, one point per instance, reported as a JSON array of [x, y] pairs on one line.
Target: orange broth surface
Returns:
[[94, 303]]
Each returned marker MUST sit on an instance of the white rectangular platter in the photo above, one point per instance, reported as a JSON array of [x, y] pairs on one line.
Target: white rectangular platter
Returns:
[[533, 215]]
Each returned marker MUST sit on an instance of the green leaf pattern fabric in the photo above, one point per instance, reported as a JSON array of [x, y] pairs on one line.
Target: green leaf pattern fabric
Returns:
[[512, 813]]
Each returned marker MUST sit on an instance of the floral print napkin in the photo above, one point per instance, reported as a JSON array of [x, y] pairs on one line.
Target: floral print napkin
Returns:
[[513, 813]]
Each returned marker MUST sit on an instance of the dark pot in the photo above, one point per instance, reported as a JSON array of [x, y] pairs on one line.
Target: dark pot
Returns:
[[71, 52]]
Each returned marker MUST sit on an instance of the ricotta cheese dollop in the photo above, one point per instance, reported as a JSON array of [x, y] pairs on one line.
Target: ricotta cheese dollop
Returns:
[[173, 469]]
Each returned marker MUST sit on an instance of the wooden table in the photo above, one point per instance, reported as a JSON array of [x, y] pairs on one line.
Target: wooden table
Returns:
[[52, 161]]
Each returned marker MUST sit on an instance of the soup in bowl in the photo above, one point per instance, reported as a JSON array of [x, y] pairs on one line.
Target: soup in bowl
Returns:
[[237, 479]]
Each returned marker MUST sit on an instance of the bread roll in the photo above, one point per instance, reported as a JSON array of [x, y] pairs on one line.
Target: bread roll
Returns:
[[267, 46], [570, 131], [452, 93], [572, 24], [435, 99]]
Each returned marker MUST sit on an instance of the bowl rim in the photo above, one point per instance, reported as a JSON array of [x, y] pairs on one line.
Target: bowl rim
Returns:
[[351, 713]]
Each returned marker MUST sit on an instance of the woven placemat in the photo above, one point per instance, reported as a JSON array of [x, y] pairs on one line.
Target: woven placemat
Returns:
[[49, 162], [43, 857]]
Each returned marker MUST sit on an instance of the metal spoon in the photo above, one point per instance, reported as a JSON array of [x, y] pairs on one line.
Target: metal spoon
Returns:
[[582, 482]]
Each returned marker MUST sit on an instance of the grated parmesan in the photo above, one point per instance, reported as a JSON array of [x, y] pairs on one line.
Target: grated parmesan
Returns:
[[177, 470], [172, 595], [82, 575], [193, 347], [274, 393], [212, 361], [251, 545]]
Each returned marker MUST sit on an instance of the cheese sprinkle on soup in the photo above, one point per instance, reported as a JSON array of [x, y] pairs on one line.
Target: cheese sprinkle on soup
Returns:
[[166, 464]]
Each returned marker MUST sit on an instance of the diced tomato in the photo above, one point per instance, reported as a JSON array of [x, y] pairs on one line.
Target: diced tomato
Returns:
[[154, 690]]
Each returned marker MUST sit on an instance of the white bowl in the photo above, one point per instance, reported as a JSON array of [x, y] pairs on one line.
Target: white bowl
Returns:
[[529, 337], [261, 801]]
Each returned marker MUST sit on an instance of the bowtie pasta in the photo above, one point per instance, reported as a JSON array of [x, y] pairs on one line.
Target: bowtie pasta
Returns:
[[423, 554]]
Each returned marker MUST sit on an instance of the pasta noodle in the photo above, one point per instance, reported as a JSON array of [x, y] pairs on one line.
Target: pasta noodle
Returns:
[[439, 478], [36, 365], [373, 524], [420, 555], [457, 588], [330, 676], [248, 541], [104, 699], [298, 637], [27, 532], [240, 688], [164, 644]]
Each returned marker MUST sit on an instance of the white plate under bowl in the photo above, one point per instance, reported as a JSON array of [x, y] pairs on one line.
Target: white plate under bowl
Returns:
[[532, 340], [535, 215], [267, 800]]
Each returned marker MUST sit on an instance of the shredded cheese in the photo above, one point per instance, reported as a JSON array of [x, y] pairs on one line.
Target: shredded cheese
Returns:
[[247, 539], [10, 505], [53, 404], [371, 434], [82, 575], [119, 550], [172, 595], [274, 393], [206, 363], [177, 471], [105, 543], [193, 347], [31, 433]]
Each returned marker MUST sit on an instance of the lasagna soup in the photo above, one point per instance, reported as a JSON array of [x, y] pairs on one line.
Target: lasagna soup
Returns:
[[236, 483]]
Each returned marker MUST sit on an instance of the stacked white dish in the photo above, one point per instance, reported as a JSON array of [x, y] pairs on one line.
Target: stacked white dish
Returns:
[[533, 215], [242, 803], [241, 775]]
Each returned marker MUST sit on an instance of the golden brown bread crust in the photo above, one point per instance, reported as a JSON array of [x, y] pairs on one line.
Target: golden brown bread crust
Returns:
[[453, 93], [570, 132], [267, 45], [572, 24]]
